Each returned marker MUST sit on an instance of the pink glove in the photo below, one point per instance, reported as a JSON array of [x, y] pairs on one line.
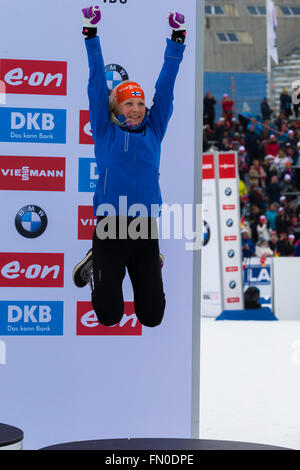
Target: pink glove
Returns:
[[91, 16], [176, 21]]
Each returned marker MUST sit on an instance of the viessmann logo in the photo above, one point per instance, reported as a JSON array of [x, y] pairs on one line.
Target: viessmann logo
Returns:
[[32, 173], [86, 222], [39, 77], [31, 269], [88, 325]]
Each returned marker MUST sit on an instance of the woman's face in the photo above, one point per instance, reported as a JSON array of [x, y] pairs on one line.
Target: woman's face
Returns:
[[134, 110]]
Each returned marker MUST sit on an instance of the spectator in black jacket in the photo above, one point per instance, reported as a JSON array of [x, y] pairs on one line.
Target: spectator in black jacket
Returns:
[[285, 103], [274, 190], [266, 111], [252, 142], [282, 222], [209, 113]]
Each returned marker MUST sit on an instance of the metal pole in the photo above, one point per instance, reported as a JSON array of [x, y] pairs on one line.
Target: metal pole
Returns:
[[195, 409], [268, 51]]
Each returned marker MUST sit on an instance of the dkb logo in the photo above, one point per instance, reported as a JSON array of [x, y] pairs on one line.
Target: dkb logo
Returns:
[[20, 318], [33, 125]]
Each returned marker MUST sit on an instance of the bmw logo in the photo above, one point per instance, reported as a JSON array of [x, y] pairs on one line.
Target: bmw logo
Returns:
[[115, 74], [229, 222], [206, 233], [31, 221], [228, 191], [232, 284], [231, 253]]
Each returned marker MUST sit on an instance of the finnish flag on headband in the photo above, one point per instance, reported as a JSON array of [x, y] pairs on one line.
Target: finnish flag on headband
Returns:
[[272, 31]]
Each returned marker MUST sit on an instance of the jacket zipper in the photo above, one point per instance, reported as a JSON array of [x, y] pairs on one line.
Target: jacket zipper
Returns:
[[105, 178], [158, 187], [134, 177], [126, 142]]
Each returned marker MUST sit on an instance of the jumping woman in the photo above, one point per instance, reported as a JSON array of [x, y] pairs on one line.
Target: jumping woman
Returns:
[[128, 139]]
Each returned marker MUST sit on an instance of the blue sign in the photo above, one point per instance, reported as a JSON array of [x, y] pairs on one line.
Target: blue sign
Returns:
[[87, 175], [31, 318], [33, 125], [257, 275]]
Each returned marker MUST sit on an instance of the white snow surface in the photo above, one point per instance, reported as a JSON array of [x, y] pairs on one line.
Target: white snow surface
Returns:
[[250, 381]]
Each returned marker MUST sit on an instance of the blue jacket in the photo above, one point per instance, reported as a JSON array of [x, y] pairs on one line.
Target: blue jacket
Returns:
[[248, 252], [128, 160]]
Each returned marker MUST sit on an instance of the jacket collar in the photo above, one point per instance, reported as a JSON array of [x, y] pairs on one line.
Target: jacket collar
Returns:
[[122, 123]]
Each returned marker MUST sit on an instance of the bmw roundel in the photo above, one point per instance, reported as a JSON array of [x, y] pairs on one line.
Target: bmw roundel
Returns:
[[229, 222], [228, 191], [31, 221], [232, 284], [230, 253], [206, 233], [115, 74]]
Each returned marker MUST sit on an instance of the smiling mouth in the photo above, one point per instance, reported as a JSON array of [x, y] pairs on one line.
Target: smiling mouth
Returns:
[[134, 119]]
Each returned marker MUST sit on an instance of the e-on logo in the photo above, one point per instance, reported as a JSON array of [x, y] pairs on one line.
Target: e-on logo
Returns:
[[115, 74], [31, 221]]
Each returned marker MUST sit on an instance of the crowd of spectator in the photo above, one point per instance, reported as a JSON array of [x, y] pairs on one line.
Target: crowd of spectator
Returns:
[[268, 149]]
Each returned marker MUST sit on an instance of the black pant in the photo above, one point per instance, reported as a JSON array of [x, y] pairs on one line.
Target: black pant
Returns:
[[111, 257]]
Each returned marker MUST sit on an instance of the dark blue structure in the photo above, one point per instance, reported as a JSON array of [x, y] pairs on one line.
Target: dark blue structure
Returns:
[[260, 314], [246, 88]]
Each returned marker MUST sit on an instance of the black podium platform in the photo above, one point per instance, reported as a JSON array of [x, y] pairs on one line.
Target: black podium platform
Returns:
[[10, 437], [160, 444]]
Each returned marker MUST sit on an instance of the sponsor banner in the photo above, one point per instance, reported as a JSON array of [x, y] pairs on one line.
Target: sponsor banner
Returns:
[[30, 277], [34, 77], [230, 243], [87, 175], [208, 166], [86, 222], [259, 275], [227, 167], [85, 132], [32, 173], [210, 278], [31, 318], [31, 269], [33, 125], [88, 325]]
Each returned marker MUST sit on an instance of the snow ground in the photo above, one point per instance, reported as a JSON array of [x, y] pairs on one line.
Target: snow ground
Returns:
[[250, 381]]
